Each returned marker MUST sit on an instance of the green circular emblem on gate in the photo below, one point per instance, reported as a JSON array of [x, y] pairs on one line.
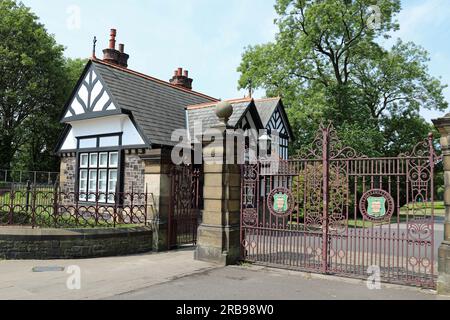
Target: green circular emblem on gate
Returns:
[[280, 202], [377, 205]]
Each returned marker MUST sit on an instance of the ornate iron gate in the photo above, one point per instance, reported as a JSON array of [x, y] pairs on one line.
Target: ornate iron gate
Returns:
[[184, 213], [335, 211]]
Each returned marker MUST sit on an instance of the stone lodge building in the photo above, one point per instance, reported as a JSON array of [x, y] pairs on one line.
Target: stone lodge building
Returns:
[[119, 122]]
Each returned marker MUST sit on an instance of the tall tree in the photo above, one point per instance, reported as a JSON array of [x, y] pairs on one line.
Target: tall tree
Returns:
[[327, 64], [43, 129], [33, 87]]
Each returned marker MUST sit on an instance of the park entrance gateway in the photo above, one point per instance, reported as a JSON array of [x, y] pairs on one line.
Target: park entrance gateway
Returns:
[[335, 211]]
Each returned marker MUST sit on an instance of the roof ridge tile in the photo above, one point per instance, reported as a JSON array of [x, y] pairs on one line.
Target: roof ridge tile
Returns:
[[211, 104], [267, 99]]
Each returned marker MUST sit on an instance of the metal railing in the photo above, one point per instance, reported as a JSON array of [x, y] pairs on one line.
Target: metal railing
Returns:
[[22, 177], [48, 207]]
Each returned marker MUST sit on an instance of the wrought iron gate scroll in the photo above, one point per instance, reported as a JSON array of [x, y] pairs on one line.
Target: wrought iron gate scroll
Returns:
[[184, 213], [333, 210]]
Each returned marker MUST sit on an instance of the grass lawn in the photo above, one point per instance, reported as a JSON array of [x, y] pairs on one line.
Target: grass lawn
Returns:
[[43, 197], [439, 208], [439, 211]]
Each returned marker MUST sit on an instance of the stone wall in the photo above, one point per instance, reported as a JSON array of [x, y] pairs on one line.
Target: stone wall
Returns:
[[134, 174], [68, 174], [44, 244]]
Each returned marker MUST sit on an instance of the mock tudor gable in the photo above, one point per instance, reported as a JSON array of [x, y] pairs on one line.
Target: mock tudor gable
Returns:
[[91, 99], [149, 108], [274, 119]]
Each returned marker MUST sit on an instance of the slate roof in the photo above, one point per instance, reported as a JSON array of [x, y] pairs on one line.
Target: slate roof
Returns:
[[266, 108], [206, 114], [158, 107]]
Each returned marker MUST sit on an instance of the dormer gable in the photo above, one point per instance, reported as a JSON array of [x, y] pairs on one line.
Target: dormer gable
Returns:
[[90, 99]]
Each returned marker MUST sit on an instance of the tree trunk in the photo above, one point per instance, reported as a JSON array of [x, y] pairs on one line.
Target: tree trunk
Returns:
[[6, 152]]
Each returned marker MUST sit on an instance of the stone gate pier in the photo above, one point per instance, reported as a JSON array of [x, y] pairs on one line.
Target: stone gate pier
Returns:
[[219, 232], [443, 285]]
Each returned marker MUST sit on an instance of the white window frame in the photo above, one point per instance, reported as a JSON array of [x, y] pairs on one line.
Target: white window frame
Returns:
[[94, 170]]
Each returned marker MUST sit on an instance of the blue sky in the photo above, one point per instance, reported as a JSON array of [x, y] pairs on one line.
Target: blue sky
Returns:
[[207, 37]]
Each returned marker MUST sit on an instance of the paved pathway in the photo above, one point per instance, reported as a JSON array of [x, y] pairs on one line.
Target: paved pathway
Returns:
[[100, 278], [175, 275]]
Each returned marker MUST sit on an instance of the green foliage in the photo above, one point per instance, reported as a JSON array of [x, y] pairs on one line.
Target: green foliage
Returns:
[[35, 83], [327, 65], [43, 129]]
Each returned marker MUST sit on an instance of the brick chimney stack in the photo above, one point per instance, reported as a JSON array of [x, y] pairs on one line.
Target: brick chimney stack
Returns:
[[113, 56], [182, 79]]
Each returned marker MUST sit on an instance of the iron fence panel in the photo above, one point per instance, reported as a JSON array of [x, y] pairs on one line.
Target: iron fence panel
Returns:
[[332, 210]]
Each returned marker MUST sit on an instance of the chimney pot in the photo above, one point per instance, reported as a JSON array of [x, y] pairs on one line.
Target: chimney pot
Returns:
[[111, 55], [112, 40], [181, 79]]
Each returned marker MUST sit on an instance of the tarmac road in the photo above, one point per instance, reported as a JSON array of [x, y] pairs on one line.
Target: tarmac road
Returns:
[[260, 283]]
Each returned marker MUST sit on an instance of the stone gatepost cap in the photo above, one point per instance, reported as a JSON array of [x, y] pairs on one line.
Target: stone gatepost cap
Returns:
[[442, 123], [224, 110]]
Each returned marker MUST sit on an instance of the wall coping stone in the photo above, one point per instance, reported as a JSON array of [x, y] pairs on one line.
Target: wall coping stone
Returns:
[[24, 234]]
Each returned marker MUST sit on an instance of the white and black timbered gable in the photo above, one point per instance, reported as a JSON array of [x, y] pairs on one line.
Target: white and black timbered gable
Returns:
[[90, 99], [250, 121], [93, 117], [277, 124]]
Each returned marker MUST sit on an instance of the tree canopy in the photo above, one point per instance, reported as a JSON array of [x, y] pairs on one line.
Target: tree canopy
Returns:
[[327, 64], [35, 82]]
